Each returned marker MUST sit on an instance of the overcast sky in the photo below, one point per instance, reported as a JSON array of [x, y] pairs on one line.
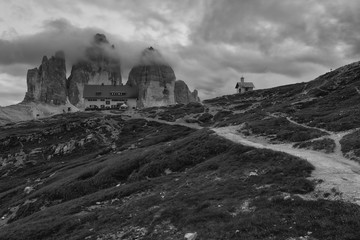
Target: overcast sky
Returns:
[[209, 43]]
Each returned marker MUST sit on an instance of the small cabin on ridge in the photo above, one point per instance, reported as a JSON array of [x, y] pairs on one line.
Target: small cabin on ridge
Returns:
[[242, 86]]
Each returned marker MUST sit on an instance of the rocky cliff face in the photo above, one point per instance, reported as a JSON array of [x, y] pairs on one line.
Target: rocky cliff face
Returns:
[[154, 78], [98, 67], [152, 75], [183, 94], [47, 84]]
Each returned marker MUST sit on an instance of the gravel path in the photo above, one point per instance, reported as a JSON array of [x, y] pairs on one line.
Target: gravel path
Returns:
[[338, 173], [340, 176]]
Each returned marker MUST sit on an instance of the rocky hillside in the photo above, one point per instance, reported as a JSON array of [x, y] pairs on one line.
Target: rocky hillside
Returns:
[[278, 163]]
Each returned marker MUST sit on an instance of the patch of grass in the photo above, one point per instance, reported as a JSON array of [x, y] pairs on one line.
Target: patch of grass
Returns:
[[240, 118], [242, 106], [326, 145], [350, 145], [219, 116], [205, 117], [174, 112], [142, 133], [282, 130], [170, 180]]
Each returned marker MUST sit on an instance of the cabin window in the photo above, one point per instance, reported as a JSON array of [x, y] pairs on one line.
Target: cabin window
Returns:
[[98, 93], [102, 106], [107, 102], [117, 93]]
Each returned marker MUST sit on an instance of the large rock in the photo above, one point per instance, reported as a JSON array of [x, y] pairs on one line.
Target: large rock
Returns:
[[47, 84], [99, 67], [154, 78], [183, 94]]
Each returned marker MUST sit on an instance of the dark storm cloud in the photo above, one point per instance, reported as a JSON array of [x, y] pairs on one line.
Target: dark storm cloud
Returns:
[[268, 24], [56, 35], [288, 38], [60, 35]]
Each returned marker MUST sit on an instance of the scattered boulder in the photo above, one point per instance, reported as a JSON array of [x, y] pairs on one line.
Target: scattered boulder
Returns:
[[190, 236], [28, 189]]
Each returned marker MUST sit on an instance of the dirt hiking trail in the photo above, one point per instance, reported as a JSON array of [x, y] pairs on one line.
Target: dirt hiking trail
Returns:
[[341, 176]]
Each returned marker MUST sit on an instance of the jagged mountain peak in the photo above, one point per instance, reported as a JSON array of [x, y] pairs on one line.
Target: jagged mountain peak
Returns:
[[100, 39], [152, 56], [100, 66], [183, 94], [47, 83]]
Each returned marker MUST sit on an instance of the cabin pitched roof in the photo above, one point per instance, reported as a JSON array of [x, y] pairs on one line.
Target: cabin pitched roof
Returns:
[[244, 85], [90, 91]]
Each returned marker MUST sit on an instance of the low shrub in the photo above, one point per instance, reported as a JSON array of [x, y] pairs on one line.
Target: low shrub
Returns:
[[327, 145], [350, 145], [283, 130]]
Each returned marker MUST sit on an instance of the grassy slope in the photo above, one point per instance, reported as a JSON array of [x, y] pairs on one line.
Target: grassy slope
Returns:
[[330, 101], [176, 180], [326, 145], [350, 146]]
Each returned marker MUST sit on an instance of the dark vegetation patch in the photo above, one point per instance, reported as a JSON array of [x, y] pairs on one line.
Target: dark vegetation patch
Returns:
[[229, 119], [280, 129], [326, 145], [217, 174], [350, 146], [331, 118], [209, 198], [205, 117], [141, 133], [221, 115], [179, 111], [174, 112], [197, 182], [241, 106], [135, 165], [37, 168]]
